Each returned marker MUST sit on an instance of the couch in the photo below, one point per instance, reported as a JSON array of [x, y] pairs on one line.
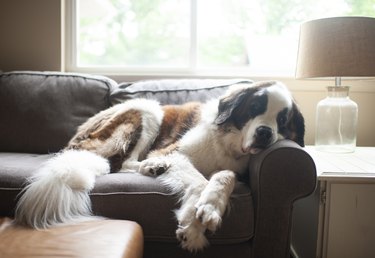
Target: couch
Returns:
[[40, 111]]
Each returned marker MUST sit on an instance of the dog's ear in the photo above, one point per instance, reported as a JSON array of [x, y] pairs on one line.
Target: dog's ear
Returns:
[[227, 104], [296, 126]]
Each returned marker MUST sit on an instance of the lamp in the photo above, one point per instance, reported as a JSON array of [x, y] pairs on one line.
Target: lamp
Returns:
[[336, 47]]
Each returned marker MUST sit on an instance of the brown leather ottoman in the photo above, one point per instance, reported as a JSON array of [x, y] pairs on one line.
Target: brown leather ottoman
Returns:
[[97, 238]]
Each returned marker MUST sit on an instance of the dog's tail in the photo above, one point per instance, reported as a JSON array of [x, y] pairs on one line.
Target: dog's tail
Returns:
[[59, 192]]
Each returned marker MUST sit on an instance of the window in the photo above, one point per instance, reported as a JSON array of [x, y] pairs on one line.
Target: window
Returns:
[[194, 37]]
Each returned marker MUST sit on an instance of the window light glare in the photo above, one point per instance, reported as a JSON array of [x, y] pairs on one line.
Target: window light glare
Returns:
[[237, 37]]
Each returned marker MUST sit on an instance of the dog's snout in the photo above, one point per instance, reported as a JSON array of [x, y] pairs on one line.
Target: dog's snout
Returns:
[[264, 133], [262, 138]]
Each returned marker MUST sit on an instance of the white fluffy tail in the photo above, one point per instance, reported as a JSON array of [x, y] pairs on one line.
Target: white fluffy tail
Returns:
[[58, 193]]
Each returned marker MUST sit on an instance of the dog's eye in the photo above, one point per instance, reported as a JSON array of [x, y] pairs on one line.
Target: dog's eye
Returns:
[[254, 107], [257, 105], [282, 118]]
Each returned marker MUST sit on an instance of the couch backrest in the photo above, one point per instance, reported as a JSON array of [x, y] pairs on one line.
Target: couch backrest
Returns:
[[176, 91], [40, 112]]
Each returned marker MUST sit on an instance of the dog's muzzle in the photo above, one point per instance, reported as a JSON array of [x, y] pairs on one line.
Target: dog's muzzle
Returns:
[[263, 135], [262, 138]]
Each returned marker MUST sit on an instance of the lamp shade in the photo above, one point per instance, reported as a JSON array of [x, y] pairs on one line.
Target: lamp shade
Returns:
[[337, 47]]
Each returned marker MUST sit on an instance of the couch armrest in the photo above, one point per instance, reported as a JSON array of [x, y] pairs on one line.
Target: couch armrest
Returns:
[[278, 176]]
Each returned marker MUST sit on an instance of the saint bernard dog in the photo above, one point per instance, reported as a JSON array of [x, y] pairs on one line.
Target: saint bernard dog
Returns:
[[195, 149]]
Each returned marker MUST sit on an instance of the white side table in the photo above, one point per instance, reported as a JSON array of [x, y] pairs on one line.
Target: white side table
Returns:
[[344, 205]]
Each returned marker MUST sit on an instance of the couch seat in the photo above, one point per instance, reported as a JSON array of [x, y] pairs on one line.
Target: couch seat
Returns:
[[131, 196]]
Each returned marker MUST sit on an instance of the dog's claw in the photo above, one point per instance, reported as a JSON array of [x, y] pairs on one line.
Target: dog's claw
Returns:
[[153, 167], [208, 217], [191, 237], [160, 170]]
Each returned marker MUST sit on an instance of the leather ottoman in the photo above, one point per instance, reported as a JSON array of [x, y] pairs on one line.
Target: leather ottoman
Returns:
[[96, 238]]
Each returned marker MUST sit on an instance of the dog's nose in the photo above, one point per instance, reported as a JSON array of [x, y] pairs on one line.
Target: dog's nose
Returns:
[[264, 134]]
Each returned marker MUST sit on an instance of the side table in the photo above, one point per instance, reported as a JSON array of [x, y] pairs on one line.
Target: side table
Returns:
[[339, 219]]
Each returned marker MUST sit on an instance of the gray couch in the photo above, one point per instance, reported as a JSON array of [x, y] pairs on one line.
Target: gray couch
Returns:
[[40, 111]]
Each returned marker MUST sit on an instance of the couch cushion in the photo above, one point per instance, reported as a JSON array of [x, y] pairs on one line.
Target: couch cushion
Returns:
[[173, 91], [131, 196], [86, 239], [40, 111]]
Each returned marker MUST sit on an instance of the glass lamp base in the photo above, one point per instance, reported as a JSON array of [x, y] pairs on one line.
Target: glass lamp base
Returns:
[[336, 148], [336, 122]]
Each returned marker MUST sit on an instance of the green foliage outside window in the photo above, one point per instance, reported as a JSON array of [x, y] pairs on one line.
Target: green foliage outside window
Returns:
[[156, 33]]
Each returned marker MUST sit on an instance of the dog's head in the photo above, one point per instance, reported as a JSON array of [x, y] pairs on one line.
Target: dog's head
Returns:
[[263, 112]]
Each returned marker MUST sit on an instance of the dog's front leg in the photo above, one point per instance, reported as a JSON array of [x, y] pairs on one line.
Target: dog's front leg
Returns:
[[183, 179], [214, 199], [190, 231]]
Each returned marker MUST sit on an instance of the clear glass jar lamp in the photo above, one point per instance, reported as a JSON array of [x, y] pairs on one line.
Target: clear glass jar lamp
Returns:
[[336, 122]]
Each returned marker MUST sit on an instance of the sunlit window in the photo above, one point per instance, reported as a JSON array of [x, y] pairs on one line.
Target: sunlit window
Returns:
[[258, 37]]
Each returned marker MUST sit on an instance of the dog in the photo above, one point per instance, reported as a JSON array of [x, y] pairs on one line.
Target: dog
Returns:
[[197, 150]]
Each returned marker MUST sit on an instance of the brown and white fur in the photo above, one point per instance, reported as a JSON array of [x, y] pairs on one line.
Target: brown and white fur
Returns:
[[195, 149]]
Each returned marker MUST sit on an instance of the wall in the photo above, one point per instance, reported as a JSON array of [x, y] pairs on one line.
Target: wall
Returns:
[[30, 35], [31, 39]]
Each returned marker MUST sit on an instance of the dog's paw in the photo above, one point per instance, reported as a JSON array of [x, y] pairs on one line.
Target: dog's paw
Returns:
[[153, 167], [209, 216], [191, 237]]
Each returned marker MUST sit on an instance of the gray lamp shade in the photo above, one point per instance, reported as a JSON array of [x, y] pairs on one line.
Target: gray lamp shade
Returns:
[[337, 47]]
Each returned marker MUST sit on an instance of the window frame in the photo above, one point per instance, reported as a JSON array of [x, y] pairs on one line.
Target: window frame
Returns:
[[69, 64], [191, 70]]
